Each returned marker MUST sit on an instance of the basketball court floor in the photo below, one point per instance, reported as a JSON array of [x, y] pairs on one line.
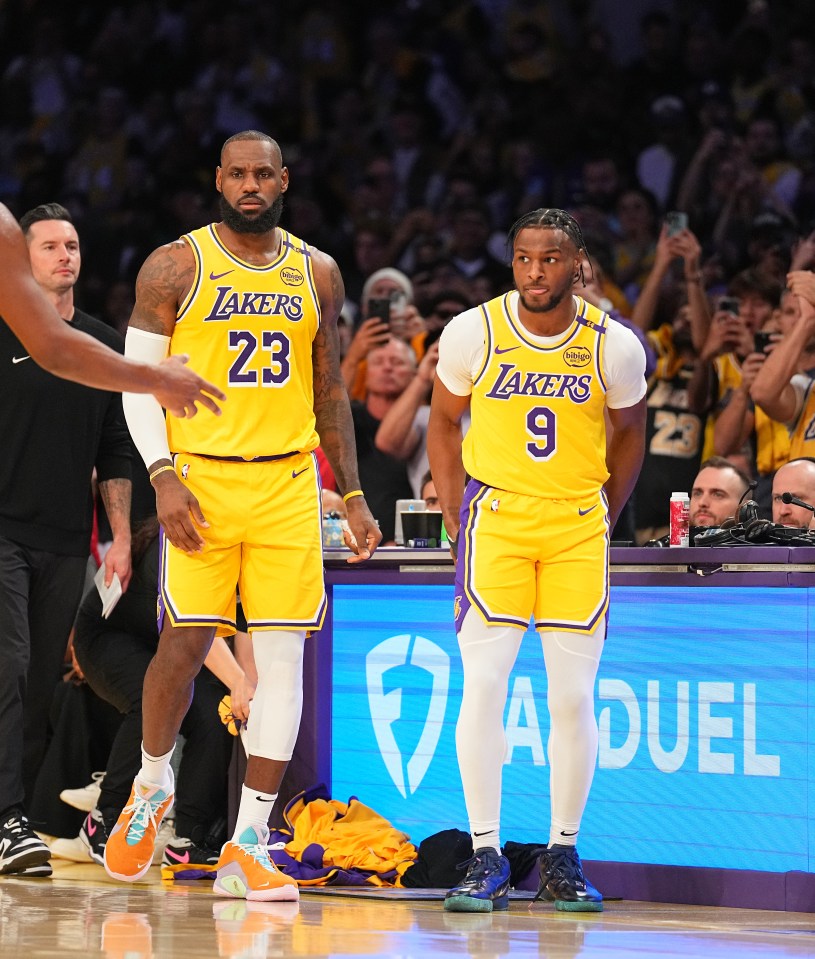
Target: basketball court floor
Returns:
[[81, 913]]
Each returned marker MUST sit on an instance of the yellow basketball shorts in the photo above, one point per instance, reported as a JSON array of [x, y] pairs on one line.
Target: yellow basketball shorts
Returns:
[[524, 557], [264, 538]]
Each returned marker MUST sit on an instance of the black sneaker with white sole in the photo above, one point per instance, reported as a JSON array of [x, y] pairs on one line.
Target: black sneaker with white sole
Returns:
[[93, 835], [20, 847]]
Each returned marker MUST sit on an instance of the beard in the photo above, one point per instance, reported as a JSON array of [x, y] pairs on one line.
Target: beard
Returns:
[[264, 222], [555, 299]]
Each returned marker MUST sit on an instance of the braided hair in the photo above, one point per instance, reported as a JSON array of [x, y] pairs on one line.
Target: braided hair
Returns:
[[554, 219]]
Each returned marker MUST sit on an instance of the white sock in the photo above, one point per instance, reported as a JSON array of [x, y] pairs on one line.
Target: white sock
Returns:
[[254, 812], [155, 770]]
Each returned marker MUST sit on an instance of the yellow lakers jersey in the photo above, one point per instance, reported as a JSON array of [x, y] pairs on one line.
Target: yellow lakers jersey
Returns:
[[537, 412], [772, 443], [249, 330]]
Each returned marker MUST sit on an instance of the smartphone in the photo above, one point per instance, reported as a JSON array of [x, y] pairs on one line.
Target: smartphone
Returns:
[[729, 304], [761, 341], [676, 222], [381, 308]]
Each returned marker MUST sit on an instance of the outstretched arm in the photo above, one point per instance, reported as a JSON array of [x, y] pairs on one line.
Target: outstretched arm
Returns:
[[771, 388], [333, 410], [72, 355]]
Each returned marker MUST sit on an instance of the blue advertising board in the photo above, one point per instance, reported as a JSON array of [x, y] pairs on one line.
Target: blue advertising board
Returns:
[[702, 702]]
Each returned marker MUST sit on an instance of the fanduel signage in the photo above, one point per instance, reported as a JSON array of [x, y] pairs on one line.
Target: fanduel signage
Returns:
[[704, 731]]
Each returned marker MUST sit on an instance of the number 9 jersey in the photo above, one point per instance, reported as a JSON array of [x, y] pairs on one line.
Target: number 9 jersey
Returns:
[[537, 403], [249, 330]]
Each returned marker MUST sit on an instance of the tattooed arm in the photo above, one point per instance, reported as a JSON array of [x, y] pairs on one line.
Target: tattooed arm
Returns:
[[162, 284], [332, 408]]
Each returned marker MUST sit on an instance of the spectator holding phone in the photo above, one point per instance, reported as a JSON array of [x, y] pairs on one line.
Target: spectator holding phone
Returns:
[[387, 310], [674, 404], [752, 298], [783, 386]]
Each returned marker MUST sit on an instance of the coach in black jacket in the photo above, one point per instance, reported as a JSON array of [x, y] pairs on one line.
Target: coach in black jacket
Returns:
[[53, 433]]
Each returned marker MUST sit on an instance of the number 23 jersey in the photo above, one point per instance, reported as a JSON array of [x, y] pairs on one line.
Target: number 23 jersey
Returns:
[[249, 330], [537, 403]]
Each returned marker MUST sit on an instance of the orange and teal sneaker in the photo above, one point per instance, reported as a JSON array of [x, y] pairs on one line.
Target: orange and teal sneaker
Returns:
[[245, 871], [132, 841]]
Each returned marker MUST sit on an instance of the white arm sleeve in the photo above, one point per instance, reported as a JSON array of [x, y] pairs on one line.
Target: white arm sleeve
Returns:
[[143, 412]]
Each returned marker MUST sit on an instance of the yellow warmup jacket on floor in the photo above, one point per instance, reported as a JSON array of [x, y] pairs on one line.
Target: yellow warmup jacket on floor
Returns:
[[352, 838]]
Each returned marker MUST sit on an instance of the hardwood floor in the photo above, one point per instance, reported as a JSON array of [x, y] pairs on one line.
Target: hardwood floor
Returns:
[[81, 913]]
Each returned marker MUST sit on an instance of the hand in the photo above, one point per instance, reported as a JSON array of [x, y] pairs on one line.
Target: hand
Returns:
[[802, 284], [665, 250], [362, 529], [688, 247], [427, 367], [750, 366], [803, 253], [182, 388], [179, 513], [241, 696], [413, 322], [728, 334], [372, 333], [118, 560]]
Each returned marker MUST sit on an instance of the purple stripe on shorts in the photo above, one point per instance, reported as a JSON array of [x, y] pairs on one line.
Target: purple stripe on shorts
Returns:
[[474, 491], [160, 608]]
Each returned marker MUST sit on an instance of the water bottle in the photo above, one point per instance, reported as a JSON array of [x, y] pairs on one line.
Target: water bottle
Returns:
[[332, 530], [680, 519]]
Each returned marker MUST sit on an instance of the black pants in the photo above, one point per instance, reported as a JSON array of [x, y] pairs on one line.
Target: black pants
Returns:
[[114, 655], [39, 595]]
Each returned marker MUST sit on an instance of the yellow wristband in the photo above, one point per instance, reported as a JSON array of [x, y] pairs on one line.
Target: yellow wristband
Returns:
[[161, 469], [354, 492]]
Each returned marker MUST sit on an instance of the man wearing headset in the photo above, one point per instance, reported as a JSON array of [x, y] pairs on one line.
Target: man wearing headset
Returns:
[[797, 478], [717, 491]]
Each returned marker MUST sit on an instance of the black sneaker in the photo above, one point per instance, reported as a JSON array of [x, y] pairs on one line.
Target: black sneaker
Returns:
[[184, 852], [93, 835], [43, 871], [562, 881], [20, 847], [485, 887]]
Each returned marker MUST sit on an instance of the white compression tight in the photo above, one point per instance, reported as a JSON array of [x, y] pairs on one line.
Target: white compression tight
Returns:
[[488, 654], [274, 719]]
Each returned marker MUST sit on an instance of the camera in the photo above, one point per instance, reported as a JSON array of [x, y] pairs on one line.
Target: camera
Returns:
[[380, 307], [676, 222]]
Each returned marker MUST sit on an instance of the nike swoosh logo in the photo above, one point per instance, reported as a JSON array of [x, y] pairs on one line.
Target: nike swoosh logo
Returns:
[[19, 359], [482, 833], [217, 276], [568, 835], [583, 512], [261, 799], [174, 855], [506, 349], [295, 475], [91, 826]]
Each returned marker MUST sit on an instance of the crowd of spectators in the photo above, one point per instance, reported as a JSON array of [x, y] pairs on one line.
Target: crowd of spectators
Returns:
[[415, 136]]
